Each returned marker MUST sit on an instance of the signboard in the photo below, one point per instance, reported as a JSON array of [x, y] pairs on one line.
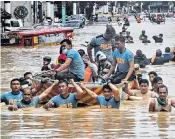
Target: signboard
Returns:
[[20, 12], [35, 39]]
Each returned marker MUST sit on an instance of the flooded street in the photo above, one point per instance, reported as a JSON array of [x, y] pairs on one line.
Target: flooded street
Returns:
[[132, 120]]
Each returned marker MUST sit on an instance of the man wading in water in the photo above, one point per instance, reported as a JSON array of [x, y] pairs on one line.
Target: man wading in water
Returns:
[[106, 101], [162, 103], [65, 99], [28, 101]]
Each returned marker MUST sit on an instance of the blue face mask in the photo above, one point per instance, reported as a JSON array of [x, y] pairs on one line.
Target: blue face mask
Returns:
[[65, 51]]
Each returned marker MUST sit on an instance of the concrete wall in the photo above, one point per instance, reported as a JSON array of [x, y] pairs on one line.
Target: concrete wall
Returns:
[[28, 21]]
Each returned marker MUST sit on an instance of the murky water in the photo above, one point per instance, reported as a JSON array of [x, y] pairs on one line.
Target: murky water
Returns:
[[131, 121]]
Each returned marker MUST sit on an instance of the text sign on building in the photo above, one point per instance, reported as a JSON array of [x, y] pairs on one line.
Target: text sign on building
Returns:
[[20, 12]]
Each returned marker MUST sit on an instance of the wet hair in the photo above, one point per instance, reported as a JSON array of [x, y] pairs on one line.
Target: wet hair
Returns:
[[27, 73], [47, 58], [63, 81], [161, 35], [120, 38], [106, 86], [15, 79], [81, 52], [152, 72], [144, 81], [167, 49], [67, 41], [26, 89], [157, 79], [143, 30], [61, 49], [162, 86]]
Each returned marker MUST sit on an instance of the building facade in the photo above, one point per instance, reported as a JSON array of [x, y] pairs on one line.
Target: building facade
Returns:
[[159, 7]]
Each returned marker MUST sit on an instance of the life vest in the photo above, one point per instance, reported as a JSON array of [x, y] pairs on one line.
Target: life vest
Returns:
[[87, 74]]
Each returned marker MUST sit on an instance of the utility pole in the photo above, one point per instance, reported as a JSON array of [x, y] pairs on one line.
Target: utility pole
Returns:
[[63, 12], [33, 12]]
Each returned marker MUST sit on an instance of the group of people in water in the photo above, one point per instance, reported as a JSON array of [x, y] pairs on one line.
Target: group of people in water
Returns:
[[113, 63]]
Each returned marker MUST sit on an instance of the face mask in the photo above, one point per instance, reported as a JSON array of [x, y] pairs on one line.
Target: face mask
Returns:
[[65, 51], [24, 86]]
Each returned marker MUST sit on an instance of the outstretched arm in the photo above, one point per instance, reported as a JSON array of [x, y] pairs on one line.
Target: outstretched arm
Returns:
[[89, 51], [48, 90], [78, 89], [91, 93], [115, 90]]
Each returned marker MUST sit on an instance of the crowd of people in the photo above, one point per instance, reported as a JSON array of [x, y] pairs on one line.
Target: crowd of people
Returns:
[[112, 62]]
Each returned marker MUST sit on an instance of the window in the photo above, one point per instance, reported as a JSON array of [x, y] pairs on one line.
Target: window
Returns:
[[14, 23]]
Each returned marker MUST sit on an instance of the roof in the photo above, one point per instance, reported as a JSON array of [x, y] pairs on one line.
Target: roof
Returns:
[[42, 31]]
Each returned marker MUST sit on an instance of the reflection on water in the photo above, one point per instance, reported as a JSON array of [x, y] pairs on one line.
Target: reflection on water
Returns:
[[131, 121], [128, 122]]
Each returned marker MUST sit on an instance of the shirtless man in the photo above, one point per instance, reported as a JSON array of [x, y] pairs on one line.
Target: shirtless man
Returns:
[[143, 93], [162, 103]]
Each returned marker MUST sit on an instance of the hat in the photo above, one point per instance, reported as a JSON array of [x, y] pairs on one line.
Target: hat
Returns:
[[158, 52], [62, 57], [110, 32], [85, 57], [136, 66], [167, 49], [139, 52], [102, 57]]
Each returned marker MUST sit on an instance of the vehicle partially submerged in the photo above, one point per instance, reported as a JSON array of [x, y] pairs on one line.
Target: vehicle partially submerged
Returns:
[[36, 37]]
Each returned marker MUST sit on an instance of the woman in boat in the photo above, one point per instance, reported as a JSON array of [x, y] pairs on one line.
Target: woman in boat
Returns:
[[162, 103], [106, 101]]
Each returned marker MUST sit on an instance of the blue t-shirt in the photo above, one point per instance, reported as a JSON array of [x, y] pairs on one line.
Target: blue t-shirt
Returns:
[[167, 57], [112, 103], [9, 98], [34, 103], [123, 59], [100, 44], [70, 102], [76, 66]]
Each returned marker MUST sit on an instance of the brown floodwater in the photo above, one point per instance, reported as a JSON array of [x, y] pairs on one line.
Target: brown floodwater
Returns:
[[132, 120]]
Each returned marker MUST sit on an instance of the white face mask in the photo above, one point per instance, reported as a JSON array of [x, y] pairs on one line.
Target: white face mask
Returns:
[[65, 51], [24, 86]]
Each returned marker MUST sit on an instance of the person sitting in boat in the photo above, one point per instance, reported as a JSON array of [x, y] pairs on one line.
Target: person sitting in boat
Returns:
[[15, 95], [137, 72], [61, 58], [74, 63], [106, 101], [65, 99], [158, 59], [47, 65], [129, 39], [167, 55], [152, 75], [142, 36], [81, 52], [158, 39], [162, 103], [157, 81], [143, 93], [125, 60], [103, 64], [90, 70], [145, 40], [140, 59], [104, 43], [27, 100]]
